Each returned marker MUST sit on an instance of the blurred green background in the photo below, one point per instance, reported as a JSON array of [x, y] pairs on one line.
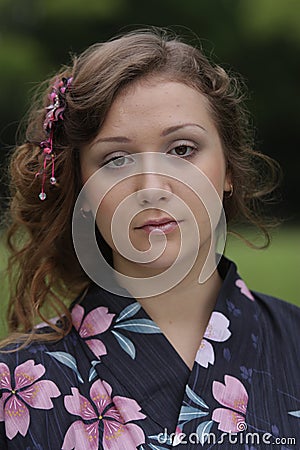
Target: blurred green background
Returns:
[[258, 38]]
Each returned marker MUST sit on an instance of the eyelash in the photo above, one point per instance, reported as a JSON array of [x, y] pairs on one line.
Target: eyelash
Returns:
[[186, 146], [194, 150]]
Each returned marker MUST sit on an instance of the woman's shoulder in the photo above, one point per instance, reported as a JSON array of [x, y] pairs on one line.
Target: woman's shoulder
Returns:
[[277, 305], [15, 353], [279, 319]]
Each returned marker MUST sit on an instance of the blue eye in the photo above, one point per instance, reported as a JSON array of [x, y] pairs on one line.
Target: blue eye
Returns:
[[183, 150]]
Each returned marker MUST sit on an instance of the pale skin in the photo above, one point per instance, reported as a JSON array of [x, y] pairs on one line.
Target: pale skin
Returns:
[[156, 115]]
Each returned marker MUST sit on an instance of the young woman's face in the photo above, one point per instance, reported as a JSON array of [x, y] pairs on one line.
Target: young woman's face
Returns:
[[149, 118]]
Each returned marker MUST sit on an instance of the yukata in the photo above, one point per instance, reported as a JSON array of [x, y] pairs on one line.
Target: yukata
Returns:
[[116, 383]]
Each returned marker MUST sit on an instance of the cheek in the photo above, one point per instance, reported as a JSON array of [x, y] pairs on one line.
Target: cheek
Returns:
[[110, 208], [218, 179], [104, 215], [206, 204], [216, 173]]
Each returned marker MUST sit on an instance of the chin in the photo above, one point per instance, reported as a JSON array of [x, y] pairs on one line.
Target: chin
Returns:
[[167, 260]]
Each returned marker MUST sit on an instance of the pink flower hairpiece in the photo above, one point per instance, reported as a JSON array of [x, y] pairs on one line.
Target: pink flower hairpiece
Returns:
[[54, 114]]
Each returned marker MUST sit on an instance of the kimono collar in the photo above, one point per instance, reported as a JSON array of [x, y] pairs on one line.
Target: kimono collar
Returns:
[[124, 344]]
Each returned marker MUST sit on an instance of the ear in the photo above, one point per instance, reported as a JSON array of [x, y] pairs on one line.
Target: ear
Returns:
[[228, 185], [86, 207], [85, 210]]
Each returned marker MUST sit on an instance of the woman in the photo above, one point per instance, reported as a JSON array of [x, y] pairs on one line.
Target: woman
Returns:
[[146, 141]]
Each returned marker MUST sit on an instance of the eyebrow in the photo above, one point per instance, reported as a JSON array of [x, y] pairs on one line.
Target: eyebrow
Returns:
[[178, 127], [166, 132], [121, 139]]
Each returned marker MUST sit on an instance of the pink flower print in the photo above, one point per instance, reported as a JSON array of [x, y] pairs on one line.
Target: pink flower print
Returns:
[[216, 330], [96, 322], [179, 436], [106, 419], [233, 395], [244, 290], [25, 390]]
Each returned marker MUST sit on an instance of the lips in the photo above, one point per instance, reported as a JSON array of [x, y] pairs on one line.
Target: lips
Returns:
[[165, 225]]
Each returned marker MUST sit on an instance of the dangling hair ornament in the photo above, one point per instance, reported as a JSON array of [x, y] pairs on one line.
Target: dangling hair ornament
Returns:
[[54, 114]]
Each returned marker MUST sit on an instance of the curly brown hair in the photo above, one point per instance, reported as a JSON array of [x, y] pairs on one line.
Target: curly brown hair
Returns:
[[39, 235]]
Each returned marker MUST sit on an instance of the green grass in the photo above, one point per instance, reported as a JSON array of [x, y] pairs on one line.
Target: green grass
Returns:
[[274, 271]]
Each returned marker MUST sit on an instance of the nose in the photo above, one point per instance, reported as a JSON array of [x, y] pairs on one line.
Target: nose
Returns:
[[153, 189]]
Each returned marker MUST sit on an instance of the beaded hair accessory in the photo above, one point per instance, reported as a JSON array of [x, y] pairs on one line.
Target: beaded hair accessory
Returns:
[[54, 114]]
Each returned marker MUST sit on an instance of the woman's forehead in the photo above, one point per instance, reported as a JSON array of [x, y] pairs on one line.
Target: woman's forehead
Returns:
[[157, 102]]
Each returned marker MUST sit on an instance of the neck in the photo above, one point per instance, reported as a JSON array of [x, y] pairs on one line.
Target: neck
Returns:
[[192, 302], [182, 312], [186, 300]]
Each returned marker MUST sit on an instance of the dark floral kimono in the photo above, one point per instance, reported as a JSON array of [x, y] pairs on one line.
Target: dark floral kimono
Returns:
[[116, 383]]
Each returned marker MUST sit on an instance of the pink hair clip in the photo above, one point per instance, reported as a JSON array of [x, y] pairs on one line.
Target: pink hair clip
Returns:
[[54, 114]]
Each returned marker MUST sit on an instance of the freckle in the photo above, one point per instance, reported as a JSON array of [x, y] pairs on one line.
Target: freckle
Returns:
[[170, 322]]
